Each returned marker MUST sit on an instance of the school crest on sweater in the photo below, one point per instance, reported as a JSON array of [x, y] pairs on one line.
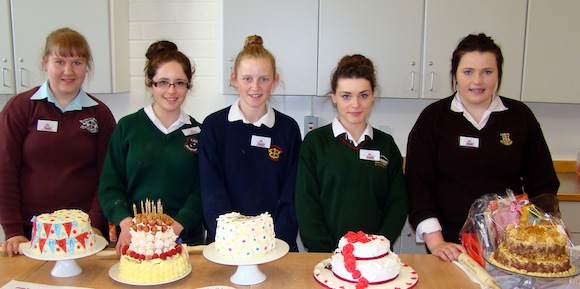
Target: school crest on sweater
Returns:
[[191, 144], [90, 124], [274, 153]]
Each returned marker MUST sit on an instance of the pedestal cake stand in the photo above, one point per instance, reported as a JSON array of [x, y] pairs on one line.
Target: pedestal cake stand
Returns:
[[247, 272], [66, 266]]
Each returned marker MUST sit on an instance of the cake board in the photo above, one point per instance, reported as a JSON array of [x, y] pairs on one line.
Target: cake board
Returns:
[[247, 272], [406, 279], [66, 266], [114, 274], [529, 281]]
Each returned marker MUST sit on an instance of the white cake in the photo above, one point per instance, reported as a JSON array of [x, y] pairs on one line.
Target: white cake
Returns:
[[364, 257], [153, 254], [244, 236], [62, 233]]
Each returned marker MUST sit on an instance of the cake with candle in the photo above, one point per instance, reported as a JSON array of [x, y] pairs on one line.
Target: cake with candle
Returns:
[[537, 250], [365, 259], [153, 255], [240, 236], [61, 233]]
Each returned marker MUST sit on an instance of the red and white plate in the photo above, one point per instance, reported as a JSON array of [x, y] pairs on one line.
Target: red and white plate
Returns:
[[406, 279]]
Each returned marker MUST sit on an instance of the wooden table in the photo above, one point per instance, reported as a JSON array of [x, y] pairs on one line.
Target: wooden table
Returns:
[[291, 271]]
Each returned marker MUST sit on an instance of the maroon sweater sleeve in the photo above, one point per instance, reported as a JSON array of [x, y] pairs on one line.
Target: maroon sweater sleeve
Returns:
[[14, 120]]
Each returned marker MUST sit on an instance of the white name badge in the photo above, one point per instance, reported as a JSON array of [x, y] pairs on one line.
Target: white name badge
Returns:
[[261, 141], [470, 142], [191, 130], [47, 125], [370, 155]]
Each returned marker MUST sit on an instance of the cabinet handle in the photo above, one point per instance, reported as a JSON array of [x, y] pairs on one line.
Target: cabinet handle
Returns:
[[4, 76], [20, 71], [432, 81], [412, 80]]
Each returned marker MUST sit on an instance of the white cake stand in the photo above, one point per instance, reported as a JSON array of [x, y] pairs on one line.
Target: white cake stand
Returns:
[[248, 272], [66, 266]]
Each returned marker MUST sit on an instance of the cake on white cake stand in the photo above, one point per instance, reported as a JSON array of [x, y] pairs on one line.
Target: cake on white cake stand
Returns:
[[248, 272], [66, 266]]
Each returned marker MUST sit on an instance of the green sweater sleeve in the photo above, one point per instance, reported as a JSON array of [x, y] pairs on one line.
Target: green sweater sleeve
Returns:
[[112, 186], [309, 211]]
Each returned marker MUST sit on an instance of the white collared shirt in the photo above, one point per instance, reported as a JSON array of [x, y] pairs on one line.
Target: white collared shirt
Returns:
[[181, 120], [495, 106], [80, 101], [338, 129], [235, 114]]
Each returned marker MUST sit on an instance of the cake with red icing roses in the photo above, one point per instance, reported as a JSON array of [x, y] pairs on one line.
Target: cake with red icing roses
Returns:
[[365, 259]]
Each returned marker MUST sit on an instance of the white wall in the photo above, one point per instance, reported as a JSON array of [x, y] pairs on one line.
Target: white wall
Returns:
[[193, 25]]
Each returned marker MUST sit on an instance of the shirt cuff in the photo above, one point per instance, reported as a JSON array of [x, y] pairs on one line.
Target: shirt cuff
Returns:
[[427, 226]]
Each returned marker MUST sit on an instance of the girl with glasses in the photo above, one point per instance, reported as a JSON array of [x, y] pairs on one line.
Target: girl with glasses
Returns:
[[153, 152]]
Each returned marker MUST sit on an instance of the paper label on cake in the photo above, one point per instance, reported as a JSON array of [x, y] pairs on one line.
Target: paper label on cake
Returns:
[[70, 245], [82, 239], [61, 244], [47, 229], [51, 245], [34, 241], [41, 244], [67, 227], [56, 228], [38, 227]]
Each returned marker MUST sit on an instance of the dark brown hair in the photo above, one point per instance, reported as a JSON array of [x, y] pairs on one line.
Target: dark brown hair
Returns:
[[164, 51], [354, 66], [475, 43]]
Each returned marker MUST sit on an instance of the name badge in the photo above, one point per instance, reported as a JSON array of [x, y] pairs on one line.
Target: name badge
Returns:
[[261, 141], [470, 142], [47, 125], [370, 155], [191, 130]]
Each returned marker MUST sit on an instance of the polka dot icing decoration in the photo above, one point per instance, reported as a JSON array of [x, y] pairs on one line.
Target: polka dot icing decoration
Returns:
[[244, 236]]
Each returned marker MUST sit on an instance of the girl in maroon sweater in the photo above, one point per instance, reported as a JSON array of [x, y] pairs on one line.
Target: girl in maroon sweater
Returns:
[[53, 141]]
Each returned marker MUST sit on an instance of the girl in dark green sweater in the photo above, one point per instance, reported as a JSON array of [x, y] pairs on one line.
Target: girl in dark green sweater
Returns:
[[350, 175], [153, 152]]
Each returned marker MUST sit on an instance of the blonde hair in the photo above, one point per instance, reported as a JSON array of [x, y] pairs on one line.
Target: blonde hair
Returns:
[[67, 43], [254, 48]]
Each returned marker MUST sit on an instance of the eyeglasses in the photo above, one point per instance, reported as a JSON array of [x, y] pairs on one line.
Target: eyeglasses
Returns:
[[166, 84]]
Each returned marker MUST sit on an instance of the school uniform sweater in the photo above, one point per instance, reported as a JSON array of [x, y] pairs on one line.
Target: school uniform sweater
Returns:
[[50, 160], [142, 162], [339, 189], [450, 163], [237, 176]]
